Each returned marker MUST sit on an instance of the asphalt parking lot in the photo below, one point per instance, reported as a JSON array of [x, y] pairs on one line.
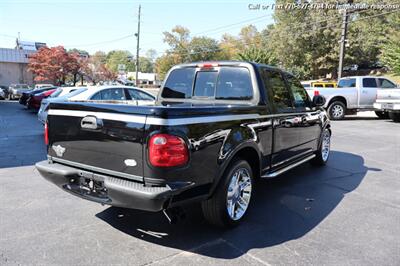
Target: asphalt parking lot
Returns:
[[346, 213]]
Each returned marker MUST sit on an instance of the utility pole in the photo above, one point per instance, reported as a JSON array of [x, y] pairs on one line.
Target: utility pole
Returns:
[[343, 40], [137, 50]]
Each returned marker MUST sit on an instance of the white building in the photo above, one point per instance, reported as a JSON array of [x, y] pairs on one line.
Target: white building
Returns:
[[144, 78], [14, 66]]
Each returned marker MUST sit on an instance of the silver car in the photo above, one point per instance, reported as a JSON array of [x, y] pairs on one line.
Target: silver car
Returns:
[[15, 90]]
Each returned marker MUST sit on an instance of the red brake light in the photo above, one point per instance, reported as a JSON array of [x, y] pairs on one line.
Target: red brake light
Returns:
[[46, 134], [207, 65], [316, 93], [167, 151]]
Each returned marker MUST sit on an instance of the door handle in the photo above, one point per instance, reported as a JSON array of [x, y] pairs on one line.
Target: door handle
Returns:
[[91, 122]]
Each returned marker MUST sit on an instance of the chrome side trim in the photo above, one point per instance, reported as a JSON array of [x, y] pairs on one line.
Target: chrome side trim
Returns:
[[198, 120], [141, 119], [101, 115], [293, 157], [287, 168], [96, 169]]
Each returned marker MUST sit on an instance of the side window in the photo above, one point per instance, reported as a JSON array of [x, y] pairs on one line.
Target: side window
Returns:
[[347, 83], [300, 95], [138, 95], [234, 83], [386, 84], [205, 84], [369, 83], [97, 96], [329, 86], [276, 89]]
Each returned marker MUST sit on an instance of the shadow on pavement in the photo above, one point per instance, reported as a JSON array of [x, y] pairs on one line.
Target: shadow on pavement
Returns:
[[360, 118], [283, 209]]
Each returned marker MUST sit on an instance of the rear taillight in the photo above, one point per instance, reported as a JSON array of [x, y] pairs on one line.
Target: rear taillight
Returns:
[[167, 151], [46, 134], [316, 93]]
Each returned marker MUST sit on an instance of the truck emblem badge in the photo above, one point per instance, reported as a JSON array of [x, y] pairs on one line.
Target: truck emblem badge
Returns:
[[59, 150], [130, 162]]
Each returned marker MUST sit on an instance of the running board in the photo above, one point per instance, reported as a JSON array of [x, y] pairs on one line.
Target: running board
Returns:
[[287, 168]]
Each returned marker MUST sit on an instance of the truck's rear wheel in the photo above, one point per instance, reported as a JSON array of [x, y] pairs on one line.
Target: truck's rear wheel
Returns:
[[394, 116], [382, 114], [231, 199], [337, 110]]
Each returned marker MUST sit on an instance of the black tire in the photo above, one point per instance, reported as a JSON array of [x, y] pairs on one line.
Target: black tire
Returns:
[[337, 110], [382, 114], [320, 159], [394, 116], [215, 209]]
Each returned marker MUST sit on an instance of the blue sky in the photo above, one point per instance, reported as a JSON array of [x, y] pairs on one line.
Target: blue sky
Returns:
[[94, 25]]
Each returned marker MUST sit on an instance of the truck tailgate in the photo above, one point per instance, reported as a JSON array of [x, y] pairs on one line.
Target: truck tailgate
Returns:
[[97, 137]]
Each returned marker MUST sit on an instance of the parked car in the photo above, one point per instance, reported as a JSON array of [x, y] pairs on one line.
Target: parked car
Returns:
[[388, 103], [41, 86], [61, 94], [15, 90], [353, 94], [114, 93], [29, 93], [3, 92], [35, 100], [142, 157]]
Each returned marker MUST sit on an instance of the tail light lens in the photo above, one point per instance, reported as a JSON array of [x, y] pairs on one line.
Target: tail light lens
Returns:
[[46, 134], [167, 151]]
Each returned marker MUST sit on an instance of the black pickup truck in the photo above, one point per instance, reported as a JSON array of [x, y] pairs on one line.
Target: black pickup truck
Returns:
[[214, 129]]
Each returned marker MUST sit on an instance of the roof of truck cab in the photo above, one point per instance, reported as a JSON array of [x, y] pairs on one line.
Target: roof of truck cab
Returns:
[[353, 77]]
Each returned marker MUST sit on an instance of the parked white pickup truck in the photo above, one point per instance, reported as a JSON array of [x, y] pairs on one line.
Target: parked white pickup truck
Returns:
[[352, 95], [388, 101]]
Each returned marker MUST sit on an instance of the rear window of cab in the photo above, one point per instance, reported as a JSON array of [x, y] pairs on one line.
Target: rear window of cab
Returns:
[[222, 83]]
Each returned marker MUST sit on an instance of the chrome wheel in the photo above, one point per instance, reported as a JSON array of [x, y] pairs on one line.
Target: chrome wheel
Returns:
[[326, 145], [239, 193], [337, 111]]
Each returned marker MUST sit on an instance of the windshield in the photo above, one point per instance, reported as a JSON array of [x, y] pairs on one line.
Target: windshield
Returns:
[[56, 93], [75, 92], [220, 83]]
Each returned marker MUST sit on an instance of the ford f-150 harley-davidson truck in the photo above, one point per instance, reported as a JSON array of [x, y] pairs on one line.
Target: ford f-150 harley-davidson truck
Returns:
[[214, 129]]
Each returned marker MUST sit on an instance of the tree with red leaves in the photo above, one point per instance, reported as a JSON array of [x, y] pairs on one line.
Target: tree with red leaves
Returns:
[[96, 71], [54, 64]]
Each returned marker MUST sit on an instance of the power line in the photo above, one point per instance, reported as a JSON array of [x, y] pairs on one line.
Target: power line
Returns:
[[99, 43], [319, 28]]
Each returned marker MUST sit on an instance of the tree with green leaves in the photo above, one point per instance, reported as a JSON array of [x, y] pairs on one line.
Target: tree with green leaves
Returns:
[[390, 49], [120, 57], [257, 55]]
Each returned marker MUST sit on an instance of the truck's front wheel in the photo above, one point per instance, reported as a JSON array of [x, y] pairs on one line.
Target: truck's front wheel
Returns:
[[337, 110], [230, 201]]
